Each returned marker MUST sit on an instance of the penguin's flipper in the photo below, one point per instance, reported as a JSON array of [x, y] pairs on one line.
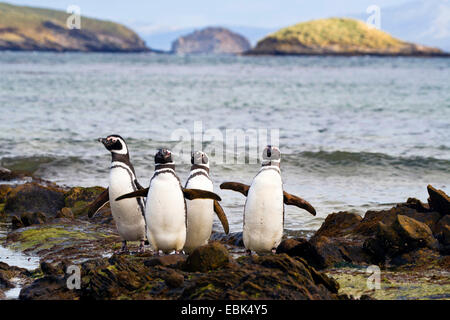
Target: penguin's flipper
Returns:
[[222, 217], [138, 185], [134, 194], [192, 194], [98, 203], [292, 200], [236, 186]]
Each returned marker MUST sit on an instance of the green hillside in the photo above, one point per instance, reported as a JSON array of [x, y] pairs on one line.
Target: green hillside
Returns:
[[339, 36], [29, 28]]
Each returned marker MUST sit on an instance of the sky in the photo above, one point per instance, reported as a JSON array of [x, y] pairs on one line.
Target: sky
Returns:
[[149, 16]]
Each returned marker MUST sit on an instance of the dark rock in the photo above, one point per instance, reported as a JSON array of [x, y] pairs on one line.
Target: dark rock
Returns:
[[65, 213], [4, 190], [442, 233], [369, 224], [438, 200], [124, 276], [403, 235], [416, 258], [4, 282], [48, 288], [167, 260], [16, 222], [302, 248], [413, 233], [206, 258], [264, 277], [33, 197], [8, 175], [338, 224], [233, 239], [417, 205], [174, 279], [27, 219], [49, 269], [211, 40], [78, 198]]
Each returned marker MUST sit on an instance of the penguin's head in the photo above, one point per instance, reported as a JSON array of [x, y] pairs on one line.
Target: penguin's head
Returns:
[[271, 156], [115, 144], [200, 158], [163, 156]]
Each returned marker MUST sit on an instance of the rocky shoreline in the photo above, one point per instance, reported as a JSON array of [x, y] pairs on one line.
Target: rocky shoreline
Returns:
[[410, 243]]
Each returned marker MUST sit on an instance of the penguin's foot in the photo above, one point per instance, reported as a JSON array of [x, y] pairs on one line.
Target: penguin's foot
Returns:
[[274, 250], [178, 251], [141, 247], [124, 248]]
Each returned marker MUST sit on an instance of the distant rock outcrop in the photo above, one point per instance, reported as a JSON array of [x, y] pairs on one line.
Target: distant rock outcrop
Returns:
[[29, 28], [212, 41], [338, 36]]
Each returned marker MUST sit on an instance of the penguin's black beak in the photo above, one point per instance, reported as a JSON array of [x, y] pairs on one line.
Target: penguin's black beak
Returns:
[[102, 140], [269, 151]]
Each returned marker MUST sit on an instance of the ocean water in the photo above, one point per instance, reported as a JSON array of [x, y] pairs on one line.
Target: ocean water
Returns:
[[355, 133]]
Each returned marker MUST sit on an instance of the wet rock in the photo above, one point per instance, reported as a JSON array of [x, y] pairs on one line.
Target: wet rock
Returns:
[[233, 239], [418, 258], [334, 251], [174, 279], [4, 282], [416, 204], [338, 224], [78, 198], [4, 190], [33, 197], [65, 213], [209, 257], [16, 222], [49, 269], [369, 224], [167, 260], [442, 233], [413, 233], [48, 288], [128, 277], [264, 277], [27, 219], [402, 236], [8, 175], [63, 239], [438, 200], [302, 248]]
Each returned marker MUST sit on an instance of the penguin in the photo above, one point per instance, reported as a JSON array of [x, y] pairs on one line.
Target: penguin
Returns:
[[200, 211], [165, 208], [128, 215], [264, 206]]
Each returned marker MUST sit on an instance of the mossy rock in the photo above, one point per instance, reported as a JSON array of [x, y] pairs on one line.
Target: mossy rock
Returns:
[[78, 198], [33, 197], [206, 258]]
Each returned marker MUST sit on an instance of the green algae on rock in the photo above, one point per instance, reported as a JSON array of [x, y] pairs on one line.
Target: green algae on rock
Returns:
[[394, 285]]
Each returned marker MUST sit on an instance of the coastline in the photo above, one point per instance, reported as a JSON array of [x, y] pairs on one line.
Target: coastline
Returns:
[[336, 256]]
